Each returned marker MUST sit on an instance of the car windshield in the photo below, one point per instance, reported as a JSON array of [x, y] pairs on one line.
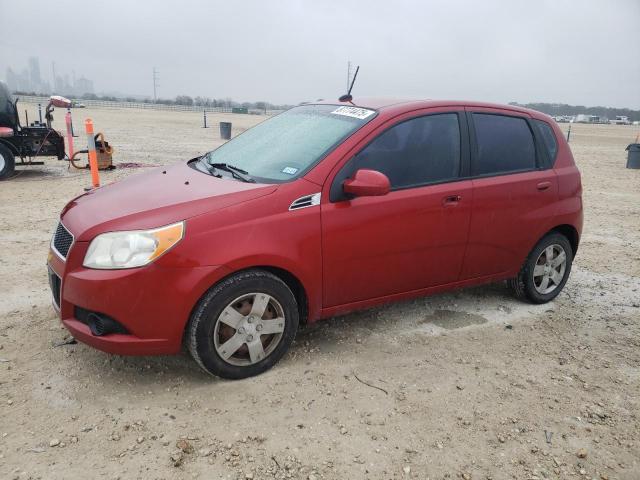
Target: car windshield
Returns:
[[288, 145]]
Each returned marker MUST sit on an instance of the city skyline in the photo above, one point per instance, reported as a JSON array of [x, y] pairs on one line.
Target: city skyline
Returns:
[[31, 79]]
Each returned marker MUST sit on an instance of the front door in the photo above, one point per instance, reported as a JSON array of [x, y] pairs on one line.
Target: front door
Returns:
[[415, 236]]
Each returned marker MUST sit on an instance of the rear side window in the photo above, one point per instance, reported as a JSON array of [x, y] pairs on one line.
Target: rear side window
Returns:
[[415, 152], [505, 144], [548, 139]]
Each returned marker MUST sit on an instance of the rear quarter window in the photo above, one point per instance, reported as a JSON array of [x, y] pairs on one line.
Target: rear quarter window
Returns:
[[549, 140], [504, 144]]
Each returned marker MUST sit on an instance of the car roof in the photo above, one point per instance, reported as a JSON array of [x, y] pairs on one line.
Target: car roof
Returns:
[[407, 104]]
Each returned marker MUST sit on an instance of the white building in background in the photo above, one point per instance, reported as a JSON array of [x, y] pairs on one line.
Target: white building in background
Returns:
[[582, 118], [82, 85], [62, 85], [621, 120], [34, 71]]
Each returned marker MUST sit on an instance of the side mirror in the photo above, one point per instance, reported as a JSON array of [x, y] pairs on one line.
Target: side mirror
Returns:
[[367, 183]]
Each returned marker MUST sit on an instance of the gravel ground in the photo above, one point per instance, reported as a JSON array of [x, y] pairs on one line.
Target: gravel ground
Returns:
[[472, 384]]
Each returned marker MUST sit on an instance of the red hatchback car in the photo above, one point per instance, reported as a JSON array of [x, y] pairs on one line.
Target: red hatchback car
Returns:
[[321, 210]]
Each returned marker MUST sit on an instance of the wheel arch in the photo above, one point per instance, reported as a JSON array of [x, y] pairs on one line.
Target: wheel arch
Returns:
[[570, 232], [567, 230], [291, 280], [295, 285], [521, 283], [12, 148]]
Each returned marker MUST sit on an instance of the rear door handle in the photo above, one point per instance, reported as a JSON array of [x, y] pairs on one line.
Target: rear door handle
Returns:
[[543, 185], [451, 200]]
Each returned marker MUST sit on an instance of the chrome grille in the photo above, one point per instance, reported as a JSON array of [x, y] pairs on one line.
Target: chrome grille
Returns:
[[62, 241], [55, 284]]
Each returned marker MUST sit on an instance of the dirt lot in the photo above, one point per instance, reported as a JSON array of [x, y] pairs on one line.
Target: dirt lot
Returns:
[[472, 384]]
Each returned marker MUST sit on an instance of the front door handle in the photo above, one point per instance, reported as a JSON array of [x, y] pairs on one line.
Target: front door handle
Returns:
[[451, 200], [543, 186]]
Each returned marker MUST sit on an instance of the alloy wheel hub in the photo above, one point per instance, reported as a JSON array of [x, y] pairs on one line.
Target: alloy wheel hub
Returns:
[[249, 329], [549, 269]]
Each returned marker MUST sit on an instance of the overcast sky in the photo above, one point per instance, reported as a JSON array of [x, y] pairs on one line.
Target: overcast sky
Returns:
[[286, 51]]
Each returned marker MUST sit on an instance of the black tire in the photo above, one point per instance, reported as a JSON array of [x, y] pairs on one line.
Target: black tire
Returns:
[[7, 162], [202, 325], [524, 285]]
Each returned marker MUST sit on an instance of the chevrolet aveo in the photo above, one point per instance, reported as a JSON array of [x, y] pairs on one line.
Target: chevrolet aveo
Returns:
[[321, 210]]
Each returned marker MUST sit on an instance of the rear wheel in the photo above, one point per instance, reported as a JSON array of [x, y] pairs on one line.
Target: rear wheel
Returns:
[[7, 162], [243, 325], [546, 270]]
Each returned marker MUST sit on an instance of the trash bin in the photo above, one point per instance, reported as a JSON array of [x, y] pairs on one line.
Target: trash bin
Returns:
[[225, 130], [633, 157]]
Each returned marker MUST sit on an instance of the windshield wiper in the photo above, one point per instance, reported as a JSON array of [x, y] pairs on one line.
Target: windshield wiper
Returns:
[[235, 171], [212, 171]]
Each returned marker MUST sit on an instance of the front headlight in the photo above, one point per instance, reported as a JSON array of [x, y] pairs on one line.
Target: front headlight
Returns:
[[131, 249]]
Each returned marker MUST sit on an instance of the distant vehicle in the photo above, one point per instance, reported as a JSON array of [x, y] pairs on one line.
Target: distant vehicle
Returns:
[[321, 210], [28, 141]]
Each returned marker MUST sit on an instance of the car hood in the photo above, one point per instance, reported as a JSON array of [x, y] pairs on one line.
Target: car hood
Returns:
[[159, 197]]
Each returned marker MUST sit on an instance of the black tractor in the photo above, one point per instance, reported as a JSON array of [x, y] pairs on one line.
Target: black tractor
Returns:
[[26, 142]]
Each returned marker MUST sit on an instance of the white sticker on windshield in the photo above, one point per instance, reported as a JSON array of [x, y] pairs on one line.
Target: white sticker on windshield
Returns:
[[289, 170], [354, 112]]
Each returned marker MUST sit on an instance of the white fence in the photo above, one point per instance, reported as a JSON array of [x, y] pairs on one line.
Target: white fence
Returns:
[[147, 106]]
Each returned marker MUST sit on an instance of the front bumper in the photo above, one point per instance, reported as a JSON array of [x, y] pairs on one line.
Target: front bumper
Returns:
[[119, 343], [153, 303]]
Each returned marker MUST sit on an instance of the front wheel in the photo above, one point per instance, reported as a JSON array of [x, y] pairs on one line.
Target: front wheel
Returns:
[[546, 270], [7, 162], [243, 325]]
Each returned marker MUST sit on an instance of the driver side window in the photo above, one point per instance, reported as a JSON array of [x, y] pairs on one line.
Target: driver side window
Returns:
[[413, 153]]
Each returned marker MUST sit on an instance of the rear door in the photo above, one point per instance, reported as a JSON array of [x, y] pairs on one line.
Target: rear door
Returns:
[[413, 237], [515, 192]]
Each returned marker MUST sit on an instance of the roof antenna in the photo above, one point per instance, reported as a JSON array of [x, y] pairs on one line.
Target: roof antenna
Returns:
[[348, 97]]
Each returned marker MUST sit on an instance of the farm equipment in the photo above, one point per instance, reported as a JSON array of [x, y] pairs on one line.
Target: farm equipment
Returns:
[[38, 139]]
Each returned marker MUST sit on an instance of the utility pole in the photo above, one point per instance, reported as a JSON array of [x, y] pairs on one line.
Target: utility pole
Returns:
[[348, 74], [155, 85]]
